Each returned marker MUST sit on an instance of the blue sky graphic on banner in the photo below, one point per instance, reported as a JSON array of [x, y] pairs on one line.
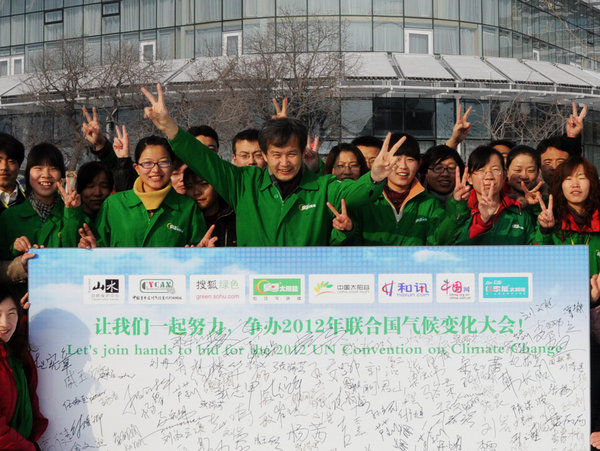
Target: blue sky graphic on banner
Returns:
[[313, 348]]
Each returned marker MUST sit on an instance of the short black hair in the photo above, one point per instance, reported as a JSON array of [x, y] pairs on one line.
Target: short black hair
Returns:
[[561, 143], [367, 141], [88, 171], [345, 147], [522, 149], [44, 154], [502, 142], [204, 130], [436, 154], [277, 132], [481, 156], [152, 140], [13, 148], [409, 148], [250, 134]]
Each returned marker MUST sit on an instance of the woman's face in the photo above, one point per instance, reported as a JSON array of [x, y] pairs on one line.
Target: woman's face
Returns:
[[95, 192], [440, 176], [155, 177], [576, 188], [42, 179], [522, 169], [489, 177], [346, 166], [9, 318]]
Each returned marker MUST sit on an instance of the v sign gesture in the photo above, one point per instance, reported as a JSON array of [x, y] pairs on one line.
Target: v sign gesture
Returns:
[[462, 190], [546, 217], [158, 113], [575, 121], [383, 165]]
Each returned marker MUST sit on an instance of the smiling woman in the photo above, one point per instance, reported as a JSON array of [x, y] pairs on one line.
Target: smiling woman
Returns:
[[152, 214]]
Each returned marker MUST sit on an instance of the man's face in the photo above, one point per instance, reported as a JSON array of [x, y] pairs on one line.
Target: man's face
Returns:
[[404, 173], [370, 153], [503, 150], [248, 153], [209, 142], [9, 170], [177, 178], [285, 162], [551, 158]]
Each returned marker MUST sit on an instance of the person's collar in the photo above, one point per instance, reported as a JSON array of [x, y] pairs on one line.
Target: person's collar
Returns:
[[9, 198], [152, 199]]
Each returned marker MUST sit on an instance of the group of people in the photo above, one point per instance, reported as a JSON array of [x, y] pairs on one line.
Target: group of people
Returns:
[[177, 192]]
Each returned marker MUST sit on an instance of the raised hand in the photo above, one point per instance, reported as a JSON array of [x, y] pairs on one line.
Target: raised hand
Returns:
[[461, 128], [25, 301], [311, 154], [575, 121], [462, 190], [87, 240], [531, 195], [546, 217], [71, 199], [121, 144], [207, 240], [92, 130], [341, 221], [385, 162], [488, 203], [158, 113], [22, 244], [280, 112]]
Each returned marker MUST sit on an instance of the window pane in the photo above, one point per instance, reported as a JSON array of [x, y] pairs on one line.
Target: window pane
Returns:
[[34, 5], [184, 42], [388, 35], [208, 40], [17, 29], [18, 6], [208, 10], [417, 8], [419, 117], [148, 14], [470, 10], [4, 64], [92, 20], [232, 45], [259, 8], [291, 7], [17, 66], [232, 9], [110, 46], [35, 27], [445, 9], [166, 18], [184, 12], [166, 44], [323, 7], [73, 22], [505, 44], [388, 7], [490, 12], [4, 31], [92, 48], [33, 54], [4, 7], [490, 41], [445, 118], [445, 38], [505, 13], [324, 34], [388, 115], [258, 31], [358, 32], [51, 4], [418, 43], [110, 24], [356, 117], [356, 7], [130, 13], [470, 40]]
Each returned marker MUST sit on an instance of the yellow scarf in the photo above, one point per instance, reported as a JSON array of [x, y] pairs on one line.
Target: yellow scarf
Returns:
[[150, 199]]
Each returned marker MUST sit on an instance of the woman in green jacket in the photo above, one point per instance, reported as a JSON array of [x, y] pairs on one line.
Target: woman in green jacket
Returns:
[[152, 214], [484, 214], [39, 221]]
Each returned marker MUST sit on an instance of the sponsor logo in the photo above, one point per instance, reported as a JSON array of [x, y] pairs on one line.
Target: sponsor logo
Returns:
[[336, 288], [323, 287], [174, 227], [277, 287], [217, 289], [157, 286], [104, 289], [405, 288], [505, 287], [305, 207], [455, 287]]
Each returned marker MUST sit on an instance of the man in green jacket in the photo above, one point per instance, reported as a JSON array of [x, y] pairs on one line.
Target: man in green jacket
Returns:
[[282, 204]]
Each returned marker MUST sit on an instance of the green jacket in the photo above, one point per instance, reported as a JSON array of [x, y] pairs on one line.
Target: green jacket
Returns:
[[123, 221], [22, 220], [379, 224], [591, 239], [262, 217], [512, 227]]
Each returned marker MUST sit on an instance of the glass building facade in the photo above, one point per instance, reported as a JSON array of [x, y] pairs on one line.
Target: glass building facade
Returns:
[[560, 31]]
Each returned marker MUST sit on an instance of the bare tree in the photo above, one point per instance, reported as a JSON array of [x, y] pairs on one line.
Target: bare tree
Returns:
[[64, 81]]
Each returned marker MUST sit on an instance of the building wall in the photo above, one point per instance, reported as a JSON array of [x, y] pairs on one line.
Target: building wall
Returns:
[[173, 29]]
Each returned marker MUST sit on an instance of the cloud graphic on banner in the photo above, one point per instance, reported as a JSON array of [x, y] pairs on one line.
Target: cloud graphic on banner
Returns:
[[427, 255]]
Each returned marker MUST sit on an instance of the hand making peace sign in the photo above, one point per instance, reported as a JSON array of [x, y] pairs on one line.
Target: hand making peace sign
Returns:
[[385, 162], [341, 221], [462, 190], [158, 113], [531, 195], [546, 217], [575, 121]]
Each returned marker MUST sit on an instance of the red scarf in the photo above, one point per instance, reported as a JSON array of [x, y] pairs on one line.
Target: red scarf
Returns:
[[570, 224], [477, 225]]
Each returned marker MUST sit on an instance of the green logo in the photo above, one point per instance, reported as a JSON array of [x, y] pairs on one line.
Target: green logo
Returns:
[[505, 287], [321, 288], [277, 287]]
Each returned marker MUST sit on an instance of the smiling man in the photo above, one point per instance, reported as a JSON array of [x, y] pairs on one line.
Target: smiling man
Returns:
[[12, 153], [282, 204]]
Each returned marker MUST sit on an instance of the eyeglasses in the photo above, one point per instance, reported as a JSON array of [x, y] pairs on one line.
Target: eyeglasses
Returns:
[[342, 167], [150, 164], [495, 171], [440, 168]]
